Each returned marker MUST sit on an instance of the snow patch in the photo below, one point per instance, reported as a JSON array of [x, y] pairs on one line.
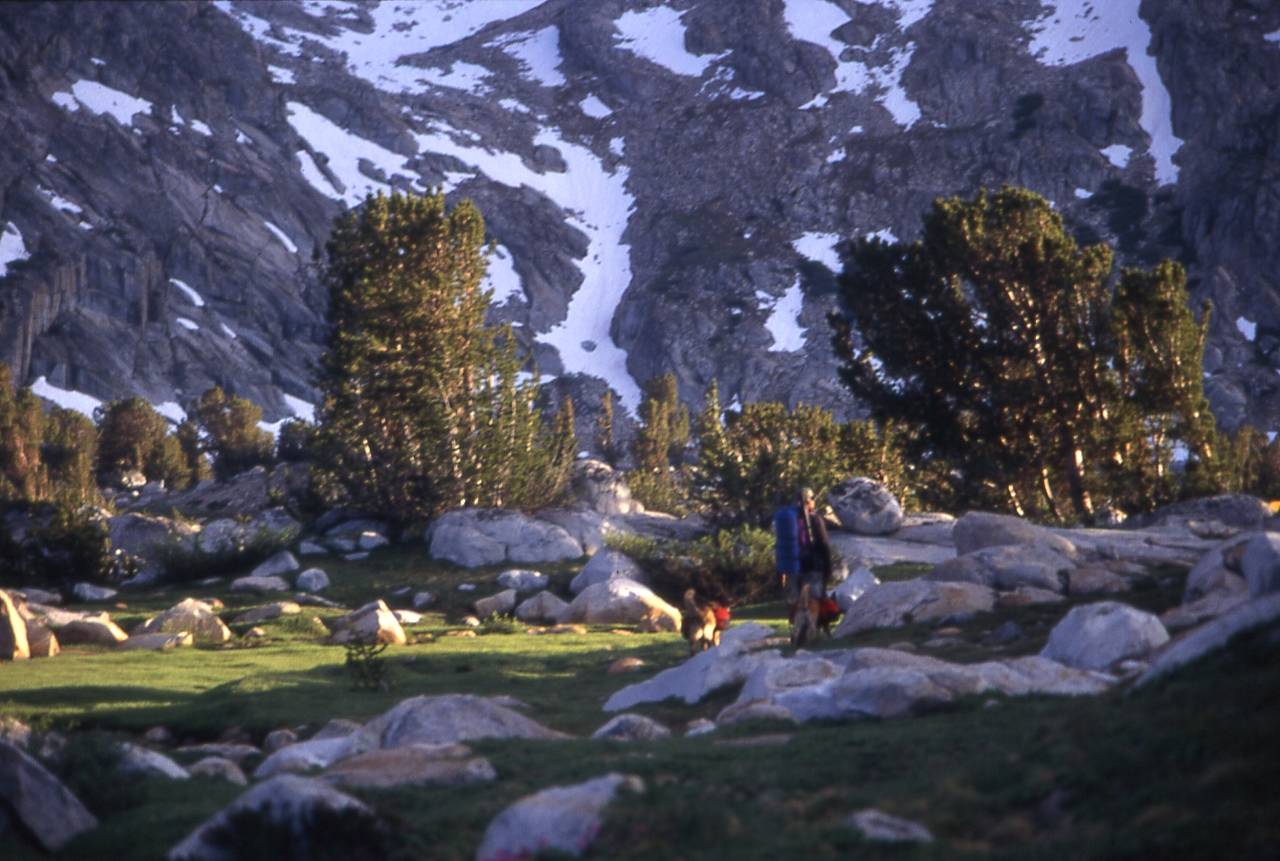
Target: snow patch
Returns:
[[1075, 30], [593, 107], [501, 276], [282, 236], [281, 75], [1118, 154], [815, 20], [190, 325], [241, 137], [51, 158], [784, 318], [170, 410], [311, 173], [59, 202], [201, 128], [344, 151], [538, 54], [101, 99], [1273, 37], [617, 146], [192, 296], [97, 61], [12, 248], [819, 247], [885, 235], [304, 410], [1248, 328], [1083, 194], [657, 34], [228, 331], [68, 399]]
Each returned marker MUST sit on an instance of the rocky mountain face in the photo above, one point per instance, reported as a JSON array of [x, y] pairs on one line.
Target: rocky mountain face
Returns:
[[664, 182]]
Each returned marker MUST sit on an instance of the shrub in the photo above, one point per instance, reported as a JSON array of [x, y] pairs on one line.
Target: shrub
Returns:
[[185, 564], [733, 566], [63, 545], [295, 442], [232, 433]]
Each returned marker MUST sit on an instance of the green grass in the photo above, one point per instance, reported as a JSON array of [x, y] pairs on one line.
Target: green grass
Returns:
[[1184, 769]]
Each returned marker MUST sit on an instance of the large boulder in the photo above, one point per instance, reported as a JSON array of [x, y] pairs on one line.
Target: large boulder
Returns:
[[291, 806], [190, 615], [852, 587], [1007, 567], [145, 536], [314, 753], [96, 630], [90, 593], [877, 692], [39, 801], [607, 565], [597, 486], [136, 759], [865, 506], [40, 639], [622, 602], [1218, 570], [542, 608], [259, 585], [1261, 564], [473, 537], [312, 580], [372, 623], [1098, 636], [892, 605], [729, 664], [452, 718], [979, 529], [564, 819], [14, 645]]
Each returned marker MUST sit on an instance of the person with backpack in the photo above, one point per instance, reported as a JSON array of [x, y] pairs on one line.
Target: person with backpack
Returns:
[[802, 552]]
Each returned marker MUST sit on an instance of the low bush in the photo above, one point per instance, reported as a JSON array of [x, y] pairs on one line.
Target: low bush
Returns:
[[183, 563], [733, 566]]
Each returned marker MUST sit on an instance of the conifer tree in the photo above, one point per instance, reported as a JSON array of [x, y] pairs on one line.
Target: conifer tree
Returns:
[[195, 465], [659, 446], [129, 432], [231, 431], [998, 344], [423, 409], [606, 439], [69, 453], [23, 477]]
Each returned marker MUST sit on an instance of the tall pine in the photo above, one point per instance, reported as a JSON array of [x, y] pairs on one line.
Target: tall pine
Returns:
[[424, 407]]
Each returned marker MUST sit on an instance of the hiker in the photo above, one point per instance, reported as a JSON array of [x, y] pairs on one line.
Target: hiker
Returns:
[[801, 549]]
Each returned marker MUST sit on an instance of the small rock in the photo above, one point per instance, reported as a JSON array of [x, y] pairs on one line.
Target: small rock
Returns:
[[259, 585], [312, 580], [158, 735], [39, 801], [497, 605], [370, 540], [136, 759], [471, 621], [625, 665], [283, 562], [256, 633], [88, 592], [408, 617], [418, 764], [422, 600], [631, 727], [1008, 632], [877, 825], [157, 642], [92, 630], [466, 587], [356, 557], [277, 739], [217, 768], [542, 607], [562, 818], [523, 580], [312, 548], [699, 726], [268, 613]]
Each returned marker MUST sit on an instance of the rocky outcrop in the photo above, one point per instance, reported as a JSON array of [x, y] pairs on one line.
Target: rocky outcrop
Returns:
[[474, 537], [622, 602], [452, 718], [891, 605]]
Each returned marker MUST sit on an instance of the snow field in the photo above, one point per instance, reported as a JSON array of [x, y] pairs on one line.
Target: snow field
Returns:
[[100, 99], [657, 34], [12, 248]]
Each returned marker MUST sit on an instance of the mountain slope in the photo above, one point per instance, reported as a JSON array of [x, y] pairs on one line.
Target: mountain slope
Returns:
[[664, 182]]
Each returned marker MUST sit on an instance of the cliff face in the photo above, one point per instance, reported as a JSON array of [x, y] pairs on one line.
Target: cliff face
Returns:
[[665, 183]]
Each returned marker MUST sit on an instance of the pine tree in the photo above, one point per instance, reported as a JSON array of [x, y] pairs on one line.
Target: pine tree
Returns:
[[23, 477], [993, 341], [195, 465], [423, 407], [659, 446], [69, 453], [129, 432], [232, 434], [606, 439]]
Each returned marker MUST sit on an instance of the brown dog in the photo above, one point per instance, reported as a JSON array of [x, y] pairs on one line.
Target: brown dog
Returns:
[[699, 625], [804, 622]]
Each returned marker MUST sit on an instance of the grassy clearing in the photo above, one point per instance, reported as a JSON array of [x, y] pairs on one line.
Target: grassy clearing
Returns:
[[1185, 769]]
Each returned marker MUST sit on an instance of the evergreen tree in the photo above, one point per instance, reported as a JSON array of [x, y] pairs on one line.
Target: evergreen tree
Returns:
[[996, 342], [129, 432], [194, 463], [295, 442], [659, 446], [69, 453], [23, 477], [606, 439], [423, 405], [232, 434]]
